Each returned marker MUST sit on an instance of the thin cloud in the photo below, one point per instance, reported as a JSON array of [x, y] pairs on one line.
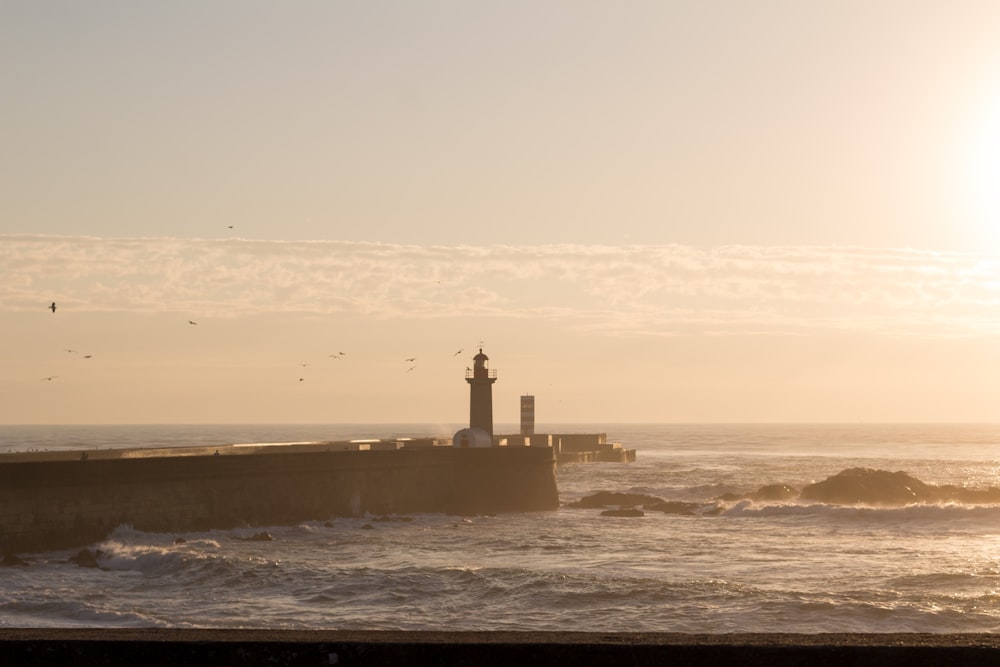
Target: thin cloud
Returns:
[[614, 290]]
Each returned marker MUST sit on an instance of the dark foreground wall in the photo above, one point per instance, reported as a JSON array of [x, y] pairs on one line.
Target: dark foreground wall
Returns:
[[153, 648], [65, 503]]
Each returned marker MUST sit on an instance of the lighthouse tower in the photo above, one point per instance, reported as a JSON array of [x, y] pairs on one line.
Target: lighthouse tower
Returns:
[[480, 378]]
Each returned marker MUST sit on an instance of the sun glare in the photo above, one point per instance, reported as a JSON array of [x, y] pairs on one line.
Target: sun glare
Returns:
[[979, 175]]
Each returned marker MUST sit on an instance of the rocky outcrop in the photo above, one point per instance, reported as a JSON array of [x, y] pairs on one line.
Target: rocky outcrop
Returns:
[[613, 498], [871, 487], [854, 486], [764, 493], [880, 487], [87, 558], [774, 492]]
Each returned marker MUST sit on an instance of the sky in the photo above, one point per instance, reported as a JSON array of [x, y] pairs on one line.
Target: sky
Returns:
[[670, 211]]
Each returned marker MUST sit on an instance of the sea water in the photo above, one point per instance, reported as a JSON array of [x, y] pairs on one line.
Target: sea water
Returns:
[[732, 566]]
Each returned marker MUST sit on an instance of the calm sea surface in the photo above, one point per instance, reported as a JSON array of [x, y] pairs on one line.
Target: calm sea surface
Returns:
[[792, 566]]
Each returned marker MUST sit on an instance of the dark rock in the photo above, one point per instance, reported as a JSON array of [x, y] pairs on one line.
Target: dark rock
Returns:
[[774, 492], [180, 540], [871, 487], [86, 558], [673, 507], [613, 498], [880, 487], [10, 560], [328, 524]]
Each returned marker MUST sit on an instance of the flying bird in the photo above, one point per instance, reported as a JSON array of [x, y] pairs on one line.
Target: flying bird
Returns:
[[87, 356], [410, 359], [459, 352], [71, 351], [53, 307], [410, 369], [50, 378], [192, 322]]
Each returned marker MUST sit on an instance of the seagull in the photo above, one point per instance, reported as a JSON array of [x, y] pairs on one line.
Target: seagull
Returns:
[[410, 359], [53, 307], [192, 322], [303, 365], [459, 352], [50, 378], [410, 369], [87, 356], [71, 351], [301, 379]]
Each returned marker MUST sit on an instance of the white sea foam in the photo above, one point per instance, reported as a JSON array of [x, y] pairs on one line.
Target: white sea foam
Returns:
[[914, 512]]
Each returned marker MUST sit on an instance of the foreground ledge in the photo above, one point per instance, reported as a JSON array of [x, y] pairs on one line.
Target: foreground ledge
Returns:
[[326, 647]]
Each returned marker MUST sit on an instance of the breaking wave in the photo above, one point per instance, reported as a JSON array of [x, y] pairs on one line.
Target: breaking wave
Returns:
[[918, 512]]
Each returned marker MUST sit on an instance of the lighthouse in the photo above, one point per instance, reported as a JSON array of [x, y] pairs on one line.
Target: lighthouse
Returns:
[[480, 378]]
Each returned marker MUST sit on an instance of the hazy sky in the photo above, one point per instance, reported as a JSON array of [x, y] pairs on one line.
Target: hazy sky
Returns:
[[648, 211]]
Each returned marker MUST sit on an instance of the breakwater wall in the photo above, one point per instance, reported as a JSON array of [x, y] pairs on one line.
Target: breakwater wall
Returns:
[[54, 504], [572, 447]]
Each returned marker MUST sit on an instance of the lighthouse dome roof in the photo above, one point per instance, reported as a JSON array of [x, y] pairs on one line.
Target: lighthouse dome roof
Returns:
[[471, 438], [480, 356]]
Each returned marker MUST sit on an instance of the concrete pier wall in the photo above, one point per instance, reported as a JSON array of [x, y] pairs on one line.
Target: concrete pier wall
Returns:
[[54, 504]]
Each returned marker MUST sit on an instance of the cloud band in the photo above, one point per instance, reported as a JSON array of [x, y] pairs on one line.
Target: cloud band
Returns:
[[620, 290]]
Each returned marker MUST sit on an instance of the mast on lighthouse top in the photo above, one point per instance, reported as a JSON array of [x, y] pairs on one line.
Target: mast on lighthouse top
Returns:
[[480, 369]]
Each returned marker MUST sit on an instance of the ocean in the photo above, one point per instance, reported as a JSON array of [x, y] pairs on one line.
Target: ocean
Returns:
[[732, 566]]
